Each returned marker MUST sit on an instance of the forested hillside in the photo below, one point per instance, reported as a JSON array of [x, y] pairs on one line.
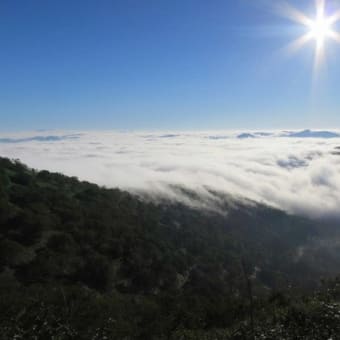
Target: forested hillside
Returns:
[[82, 262]]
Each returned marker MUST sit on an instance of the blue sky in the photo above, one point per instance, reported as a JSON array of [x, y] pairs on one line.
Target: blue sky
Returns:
[[159, 64]]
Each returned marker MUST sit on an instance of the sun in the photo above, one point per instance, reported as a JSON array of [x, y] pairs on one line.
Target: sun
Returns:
[[320, 28]]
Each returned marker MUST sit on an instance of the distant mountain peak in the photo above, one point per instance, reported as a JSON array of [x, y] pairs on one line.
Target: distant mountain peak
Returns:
[[313, 134], [245, 136]]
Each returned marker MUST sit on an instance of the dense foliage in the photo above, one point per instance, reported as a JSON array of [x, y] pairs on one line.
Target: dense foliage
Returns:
[[82, 262]]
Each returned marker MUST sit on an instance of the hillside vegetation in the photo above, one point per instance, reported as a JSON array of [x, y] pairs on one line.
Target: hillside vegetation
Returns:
[[82, 262]]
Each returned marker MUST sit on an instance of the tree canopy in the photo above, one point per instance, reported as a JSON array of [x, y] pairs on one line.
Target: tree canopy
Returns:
[[78, 261]]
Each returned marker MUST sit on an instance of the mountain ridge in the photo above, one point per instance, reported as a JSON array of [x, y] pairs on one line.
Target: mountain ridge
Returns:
[[157, 269]]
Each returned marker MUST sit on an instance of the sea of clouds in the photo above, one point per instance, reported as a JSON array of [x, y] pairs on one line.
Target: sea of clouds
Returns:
[[298, 171]]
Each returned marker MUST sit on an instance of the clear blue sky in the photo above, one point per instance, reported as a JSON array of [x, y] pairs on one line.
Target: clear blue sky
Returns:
[[158, 64]]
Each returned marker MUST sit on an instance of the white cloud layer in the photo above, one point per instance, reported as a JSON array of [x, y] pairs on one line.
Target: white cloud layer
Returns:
[[287, 170]]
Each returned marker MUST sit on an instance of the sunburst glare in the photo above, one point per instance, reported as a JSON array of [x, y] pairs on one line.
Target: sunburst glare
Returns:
[[320, 28]]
